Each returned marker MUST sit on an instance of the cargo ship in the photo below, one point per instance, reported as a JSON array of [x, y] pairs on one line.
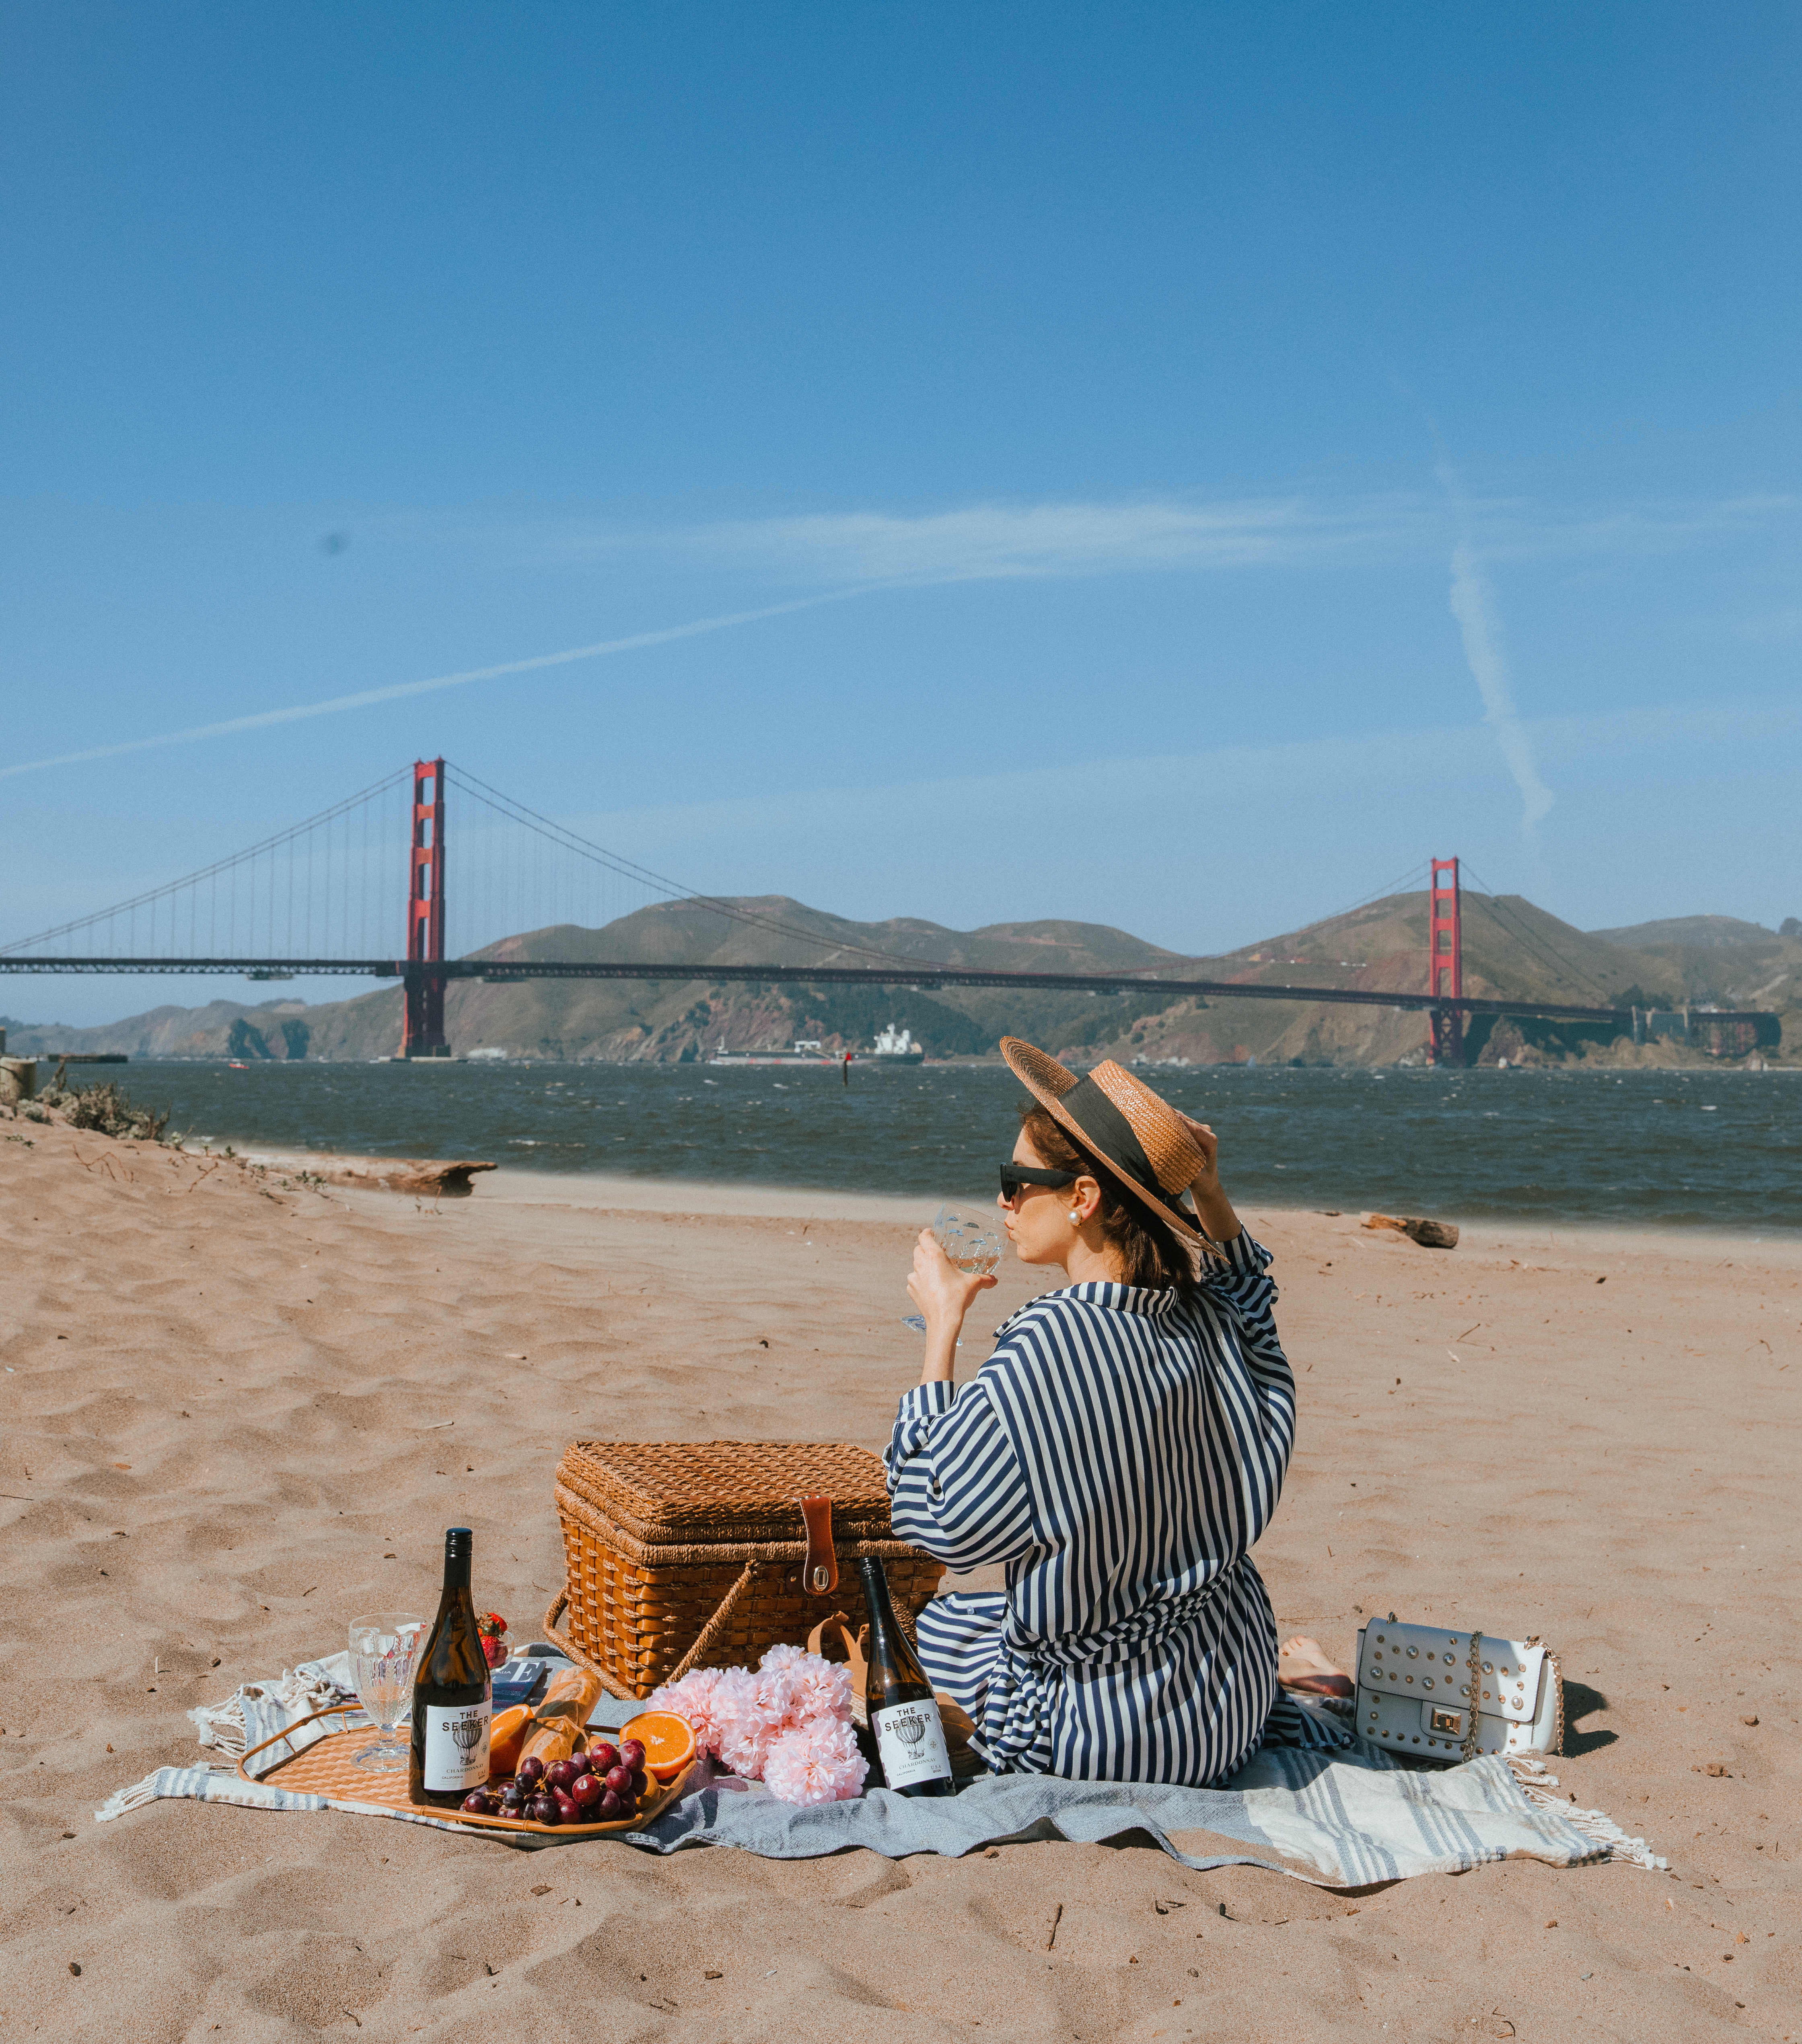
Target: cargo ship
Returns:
[[894, 1047]]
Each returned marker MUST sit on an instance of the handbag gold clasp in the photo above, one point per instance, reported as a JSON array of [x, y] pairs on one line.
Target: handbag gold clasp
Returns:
[[1446, 1721]]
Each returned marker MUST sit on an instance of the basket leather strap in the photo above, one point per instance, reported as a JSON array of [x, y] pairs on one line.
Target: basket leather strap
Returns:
[[820, 1571], [855, 1659]]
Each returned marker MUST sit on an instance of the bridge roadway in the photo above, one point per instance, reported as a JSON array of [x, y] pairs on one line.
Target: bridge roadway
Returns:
[[926, 977]]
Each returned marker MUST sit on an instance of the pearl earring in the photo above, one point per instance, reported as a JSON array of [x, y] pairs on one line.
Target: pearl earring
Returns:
[[1075, 1218]]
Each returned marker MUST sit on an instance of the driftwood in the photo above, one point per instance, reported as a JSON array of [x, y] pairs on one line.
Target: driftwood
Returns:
[[440, 1180], [1429, 1234]]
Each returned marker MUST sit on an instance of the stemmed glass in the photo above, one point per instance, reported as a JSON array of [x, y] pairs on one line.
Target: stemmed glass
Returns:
[[384, 1654], [971, 1241]]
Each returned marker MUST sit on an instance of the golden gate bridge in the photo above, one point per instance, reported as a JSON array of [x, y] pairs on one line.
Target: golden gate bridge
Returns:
[[334, 877]]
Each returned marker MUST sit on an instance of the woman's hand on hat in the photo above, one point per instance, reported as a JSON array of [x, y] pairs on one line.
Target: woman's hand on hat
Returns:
[[1209, 1144], [1212, 1207]]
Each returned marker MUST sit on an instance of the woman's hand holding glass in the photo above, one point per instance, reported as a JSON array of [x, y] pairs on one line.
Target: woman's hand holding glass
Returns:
[[953, 1261]]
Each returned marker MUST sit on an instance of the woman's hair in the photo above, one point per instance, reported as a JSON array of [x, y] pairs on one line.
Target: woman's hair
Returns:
[[1151, 1253]]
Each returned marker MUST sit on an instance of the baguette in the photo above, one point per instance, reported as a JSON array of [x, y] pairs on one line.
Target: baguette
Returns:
[[559, 1724]]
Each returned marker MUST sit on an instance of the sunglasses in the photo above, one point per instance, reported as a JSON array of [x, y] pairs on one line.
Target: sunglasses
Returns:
[[1015, 1176]]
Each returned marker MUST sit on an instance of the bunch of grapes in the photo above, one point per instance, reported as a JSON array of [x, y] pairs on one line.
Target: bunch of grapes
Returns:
[[606, 1782]]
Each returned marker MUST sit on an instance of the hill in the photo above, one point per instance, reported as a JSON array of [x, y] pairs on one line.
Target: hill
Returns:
[[1717, 961], [1511, 948], [278, 1028], [1718, 958]]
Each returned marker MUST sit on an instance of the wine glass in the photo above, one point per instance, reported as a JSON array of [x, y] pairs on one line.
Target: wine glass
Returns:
[[384, 1652], [971, 1241]]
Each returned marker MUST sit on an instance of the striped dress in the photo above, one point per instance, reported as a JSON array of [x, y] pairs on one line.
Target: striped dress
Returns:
[[1119, 1453]]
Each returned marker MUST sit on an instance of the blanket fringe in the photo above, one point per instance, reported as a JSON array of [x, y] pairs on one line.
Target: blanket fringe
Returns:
[[123, 1799], [1536, 1785], [300, 1691], [222, 1726]]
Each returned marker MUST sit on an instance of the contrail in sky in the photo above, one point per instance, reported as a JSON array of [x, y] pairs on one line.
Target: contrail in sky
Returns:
[[399, 691], [1473, 604]]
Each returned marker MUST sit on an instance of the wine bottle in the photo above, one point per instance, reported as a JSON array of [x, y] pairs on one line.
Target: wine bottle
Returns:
[[452, 1692], [904, 1714]]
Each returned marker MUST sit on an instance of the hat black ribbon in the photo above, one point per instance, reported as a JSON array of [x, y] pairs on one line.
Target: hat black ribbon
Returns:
[[1109, 1130]]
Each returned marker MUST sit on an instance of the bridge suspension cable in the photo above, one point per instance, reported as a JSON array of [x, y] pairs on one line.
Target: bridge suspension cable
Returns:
[[1416, 872], [571, 842], [1543, 949], [325, 895], [327, 883], [329, 889]]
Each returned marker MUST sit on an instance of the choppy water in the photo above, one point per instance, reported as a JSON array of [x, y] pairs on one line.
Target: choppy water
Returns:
[[1675, 1149]]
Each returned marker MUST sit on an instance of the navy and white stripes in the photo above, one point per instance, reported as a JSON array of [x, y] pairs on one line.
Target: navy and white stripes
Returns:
[[1121, 1452]]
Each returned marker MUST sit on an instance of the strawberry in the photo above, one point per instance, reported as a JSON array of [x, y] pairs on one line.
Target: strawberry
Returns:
[[493, 1629]]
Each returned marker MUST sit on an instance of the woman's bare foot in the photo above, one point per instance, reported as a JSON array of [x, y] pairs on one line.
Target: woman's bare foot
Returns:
[[1302, 1664]]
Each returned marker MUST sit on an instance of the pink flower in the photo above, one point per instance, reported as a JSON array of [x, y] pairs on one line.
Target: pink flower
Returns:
[[741, 1716], [696, 1698], [745, 1729], [816, 1763], [745, 1748], [822, 1690], [814, 1687], [776, 1697]]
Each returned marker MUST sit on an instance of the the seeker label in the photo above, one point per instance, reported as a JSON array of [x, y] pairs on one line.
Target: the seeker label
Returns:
[[912, 1741], [456, 1746]]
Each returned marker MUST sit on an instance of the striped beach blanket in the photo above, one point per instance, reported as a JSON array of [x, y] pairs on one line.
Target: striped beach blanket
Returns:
[[1343, 1819]]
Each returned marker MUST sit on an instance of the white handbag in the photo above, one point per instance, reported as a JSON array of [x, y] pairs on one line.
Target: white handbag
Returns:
[[1417, 1685]]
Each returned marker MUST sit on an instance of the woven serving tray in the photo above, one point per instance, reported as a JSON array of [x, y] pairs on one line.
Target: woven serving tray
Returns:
[[329, 1768]]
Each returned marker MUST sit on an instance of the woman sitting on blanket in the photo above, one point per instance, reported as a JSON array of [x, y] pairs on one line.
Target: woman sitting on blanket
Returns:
[[1119, 1453]]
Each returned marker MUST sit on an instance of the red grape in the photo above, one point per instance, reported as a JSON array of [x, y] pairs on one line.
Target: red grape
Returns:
[[585, 1789], [619, 1779], [568, 1807], [479, 1804], [560, 1773], [543, 1810], [531, 1770], [638, 1781], [632, 1752], [602, 1757], [609, 1806]]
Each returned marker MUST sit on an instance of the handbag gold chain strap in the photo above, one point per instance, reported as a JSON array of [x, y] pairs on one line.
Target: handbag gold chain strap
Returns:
[[1470, 1696]]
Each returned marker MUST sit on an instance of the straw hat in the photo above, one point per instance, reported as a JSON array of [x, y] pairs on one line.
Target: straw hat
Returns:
[[1141, 1139]]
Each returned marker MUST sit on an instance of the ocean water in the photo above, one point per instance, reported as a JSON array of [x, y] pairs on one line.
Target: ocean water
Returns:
[[1691, 1149]]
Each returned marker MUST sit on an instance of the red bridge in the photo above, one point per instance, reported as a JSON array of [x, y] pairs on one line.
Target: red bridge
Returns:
[[320, 873]]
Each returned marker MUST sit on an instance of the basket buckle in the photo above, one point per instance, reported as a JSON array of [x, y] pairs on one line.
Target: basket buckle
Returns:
[[820, 1571]]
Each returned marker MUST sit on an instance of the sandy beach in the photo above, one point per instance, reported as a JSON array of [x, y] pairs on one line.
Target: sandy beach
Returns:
[[236, 1413]]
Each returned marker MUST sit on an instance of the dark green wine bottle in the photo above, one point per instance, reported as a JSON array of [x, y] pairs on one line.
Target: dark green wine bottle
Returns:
[[904, 1714], [452, 1692]]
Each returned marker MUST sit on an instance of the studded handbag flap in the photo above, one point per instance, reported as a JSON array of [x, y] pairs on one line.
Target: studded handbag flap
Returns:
[[1447, 1695]]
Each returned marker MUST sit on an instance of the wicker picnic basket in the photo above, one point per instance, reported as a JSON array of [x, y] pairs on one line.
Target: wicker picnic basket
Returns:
[[682, 1555]]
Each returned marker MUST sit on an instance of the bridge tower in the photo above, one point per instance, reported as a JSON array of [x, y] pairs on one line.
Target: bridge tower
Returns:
[[423, 1032], [1445, 962]]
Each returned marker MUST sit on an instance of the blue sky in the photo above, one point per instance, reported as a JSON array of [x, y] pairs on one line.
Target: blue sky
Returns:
[[1197, 462]]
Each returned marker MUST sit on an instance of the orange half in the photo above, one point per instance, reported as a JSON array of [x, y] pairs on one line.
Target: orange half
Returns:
[[668, 1742], [506, 1734]]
